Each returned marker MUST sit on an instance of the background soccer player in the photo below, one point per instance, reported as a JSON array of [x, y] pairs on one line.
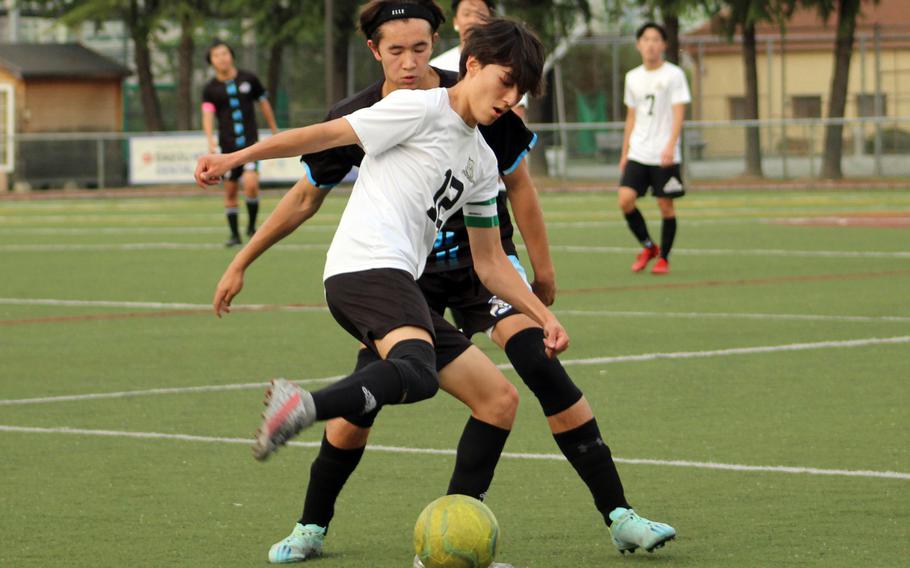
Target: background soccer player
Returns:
[[229, 96], [467, 14], [656, 93]]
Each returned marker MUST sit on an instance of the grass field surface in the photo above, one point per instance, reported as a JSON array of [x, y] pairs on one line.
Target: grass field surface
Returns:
[[756, 398]]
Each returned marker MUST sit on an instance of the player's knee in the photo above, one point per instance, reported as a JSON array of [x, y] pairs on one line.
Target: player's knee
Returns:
[[545, 377], [415, 360], [349, 432]]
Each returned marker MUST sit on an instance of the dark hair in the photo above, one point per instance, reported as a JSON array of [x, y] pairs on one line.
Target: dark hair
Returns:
[[377, 12], [653, 25], [217, 43], [501, 41], [490, 4]]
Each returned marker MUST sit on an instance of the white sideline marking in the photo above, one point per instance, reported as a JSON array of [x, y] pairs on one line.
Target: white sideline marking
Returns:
[[565, 362], [63, 247], [149, 392], [144, 230], [451, 452], [732, 315], [740, 351], [152, 305], [741, 252], [588, 313], [142, 246]]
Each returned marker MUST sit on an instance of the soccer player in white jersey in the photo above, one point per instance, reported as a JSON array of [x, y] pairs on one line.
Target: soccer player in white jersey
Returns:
[[656, 93], [424, 159]]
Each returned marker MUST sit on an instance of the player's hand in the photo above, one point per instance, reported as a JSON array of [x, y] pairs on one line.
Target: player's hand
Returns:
[[229, 286], [210, 168], [544, 287], [555, 337], [667, 157]]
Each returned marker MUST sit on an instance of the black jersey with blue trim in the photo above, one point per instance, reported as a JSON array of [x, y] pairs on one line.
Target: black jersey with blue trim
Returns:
[[233, 101], [508, 137]]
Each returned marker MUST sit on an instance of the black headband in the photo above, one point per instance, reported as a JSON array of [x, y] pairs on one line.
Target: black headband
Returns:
[[401, 12]]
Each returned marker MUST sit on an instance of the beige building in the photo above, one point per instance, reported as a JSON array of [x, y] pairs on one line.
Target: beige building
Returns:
[[795, 82]]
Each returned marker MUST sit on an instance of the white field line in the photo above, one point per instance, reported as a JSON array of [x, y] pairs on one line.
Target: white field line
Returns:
[[61, 247], [141, 230], [740, 252], [322, 309], [730, 315], [451, 452], [565, 362], [152, 305], [71, 247]]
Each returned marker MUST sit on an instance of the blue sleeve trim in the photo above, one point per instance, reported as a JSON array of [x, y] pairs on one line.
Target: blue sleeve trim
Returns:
[[309, 176], [521, 156]]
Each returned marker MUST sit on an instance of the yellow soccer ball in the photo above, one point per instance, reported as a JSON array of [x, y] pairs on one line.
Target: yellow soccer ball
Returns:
[[456, 531]]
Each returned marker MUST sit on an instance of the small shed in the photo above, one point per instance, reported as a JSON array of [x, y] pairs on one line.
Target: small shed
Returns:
[[63, 87]]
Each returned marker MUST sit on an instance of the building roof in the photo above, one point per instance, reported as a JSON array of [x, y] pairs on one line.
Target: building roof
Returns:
[[807, 31], [57, 61]]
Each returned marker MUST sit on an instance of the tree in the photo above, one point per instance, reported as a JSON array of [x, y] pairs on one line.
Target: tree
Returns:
[[743, 15], [847, 13], [190, 14], [141, 18]]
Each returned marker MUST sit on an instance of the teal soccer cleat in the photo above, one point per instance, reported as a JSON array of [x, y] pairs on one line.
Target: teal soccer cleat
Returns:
[[629, 531], [304, 542]]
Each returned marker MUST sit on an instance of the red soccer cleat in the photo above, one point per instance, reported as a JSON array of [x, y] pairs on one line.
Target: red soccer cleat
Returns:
[[662, 266], [644, 257]]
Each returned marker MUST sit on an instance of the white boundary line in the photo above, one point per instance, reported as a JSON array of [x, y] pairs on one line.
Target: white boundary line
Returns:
[[740, 252], [730, 315], [583, 313], [565, 362], [75, 247], [59, 247], [451, 452], [152, 305]]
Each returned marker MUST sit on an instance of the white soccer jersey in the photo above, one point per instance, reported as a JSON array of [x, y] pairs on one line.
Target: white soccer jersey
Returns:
[[422, 163], [652, 94]]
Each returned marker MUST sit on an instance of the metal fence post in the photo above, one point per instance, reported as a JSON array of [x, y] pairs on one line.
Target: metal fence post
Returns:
[[879, 110], [100, 149]]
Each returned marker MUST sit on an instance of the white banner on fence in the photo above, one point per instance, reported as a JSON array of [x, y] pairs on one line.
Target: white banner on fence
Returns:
[[171, 158]]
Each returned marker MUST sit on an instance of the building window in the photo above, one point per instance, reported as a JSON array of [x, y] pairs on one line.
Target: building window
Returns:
[[737, 106], [865, 104], [807, 106]]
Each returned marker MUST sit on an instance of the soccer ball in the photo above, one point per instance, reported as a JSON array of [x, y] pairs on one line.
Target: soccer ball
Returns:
[[456, 531]]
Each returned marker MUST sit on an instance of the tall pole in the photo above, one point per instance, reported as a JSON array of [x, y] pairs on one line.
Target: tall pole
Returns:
[[12, 21], [329, 49]]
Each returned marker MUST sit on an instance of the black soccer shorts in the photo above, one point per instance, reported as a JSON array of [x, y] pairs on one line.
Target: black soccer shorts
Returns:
[[371, 303], [664, 182]]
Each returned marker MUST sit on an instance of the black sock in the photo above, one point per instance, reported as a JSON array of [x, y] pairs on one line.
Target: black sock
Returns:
[[407, 375], [328, 474], [252, 209], [667, 234], [231, 213], [479, 449], [591, 458], [639, 228]]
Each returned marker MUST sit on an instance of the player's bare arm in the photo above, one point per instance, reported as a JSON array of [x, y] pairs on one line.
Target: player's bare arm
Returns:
[[208, 126], [499, 275], [269, 115], [529, 217], [626, 136], [668, 155], [300, 203], [289, 143]]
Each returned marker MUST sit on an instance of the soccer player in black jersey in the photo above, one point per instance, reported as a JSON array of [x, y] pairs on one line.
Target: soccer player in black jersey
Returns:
[[403, 48], [229, 96]]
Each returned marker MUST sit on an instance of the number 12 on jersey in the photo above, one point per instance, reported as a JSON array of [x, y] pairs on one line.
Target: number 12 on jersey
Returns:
[[442, 201]]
